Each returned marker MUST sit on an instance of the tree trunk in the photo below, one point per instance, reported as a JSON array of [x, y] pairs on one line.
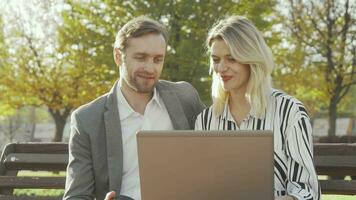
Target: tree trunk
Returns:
[[332, 116], [11, 129], [33, 121], [60, 118]]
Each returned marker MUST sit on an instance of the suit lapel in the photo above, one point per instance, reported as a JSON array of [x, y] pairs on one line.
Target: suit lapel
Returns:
[[113, 141], [174, 108]]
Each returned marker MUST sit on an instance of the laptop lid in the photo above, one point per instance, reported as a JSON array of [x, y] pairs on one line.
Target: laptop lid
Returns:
[[206, 165]]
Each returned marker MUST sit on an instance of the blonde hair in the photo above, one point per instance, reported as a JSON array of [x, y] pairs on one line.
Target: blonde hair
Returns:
[[247, 46]]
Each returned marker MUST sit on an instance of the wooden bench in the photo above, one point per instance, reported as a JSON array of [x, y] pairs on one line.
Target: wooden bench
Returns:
[[336, 160], [51, 157], [331, 159], [336, 139]]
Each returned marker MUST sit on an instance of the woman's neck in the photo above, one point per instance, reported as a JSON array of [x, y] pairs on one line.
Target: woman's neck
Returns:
[[239, 106]]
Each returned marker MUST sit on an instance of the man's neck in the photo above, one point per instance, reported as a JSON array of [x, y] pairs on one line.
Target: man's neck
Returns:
[[137, 101]]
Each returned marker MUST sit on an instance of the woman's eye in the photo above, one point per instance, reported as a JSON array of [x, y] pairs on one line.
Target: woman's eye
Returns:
[[231, 59], [216, 60]]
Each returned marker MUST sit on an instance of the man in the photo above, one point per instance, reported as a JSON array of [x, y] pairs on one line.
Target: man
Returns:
[[103, 158]]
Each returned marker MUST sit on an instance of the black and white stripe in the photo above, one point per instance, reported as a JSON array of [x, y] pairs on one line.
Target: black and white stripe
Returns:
[[294, 172]]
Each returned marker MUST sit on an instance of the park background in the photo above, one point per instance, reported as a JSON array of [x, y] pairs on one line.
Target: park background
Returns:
[[56, 55]]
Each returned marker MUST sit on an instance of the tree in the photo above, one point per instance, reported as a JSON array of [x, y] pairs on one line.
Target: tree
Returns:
[[296, 77], [5, 107], [326, 31], [93, 25], [38, 73], [70, 62], [10, 125]]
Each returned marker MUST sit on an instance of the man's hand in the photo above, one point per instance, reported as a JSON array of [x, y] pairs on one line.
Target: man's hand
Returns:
[[285, 198], [110, 195]]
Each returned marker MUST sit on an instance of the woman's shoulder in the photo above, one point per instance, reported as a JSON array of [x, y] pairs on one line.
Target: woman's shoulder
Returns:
[[285, 101], [206, 112]]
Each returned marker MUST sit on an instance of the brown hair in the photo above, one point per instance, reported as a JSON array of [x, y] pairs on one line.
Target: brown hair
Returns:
[[138, 27]]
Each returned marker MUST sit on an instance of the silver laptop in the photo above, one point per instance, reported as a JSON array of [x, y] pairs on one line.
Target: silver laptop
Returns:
[[206, 165]]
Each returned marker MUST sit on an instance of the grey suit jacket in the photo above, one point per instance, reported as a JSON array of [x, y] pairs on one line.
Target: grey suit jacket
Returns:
[[95, 145]]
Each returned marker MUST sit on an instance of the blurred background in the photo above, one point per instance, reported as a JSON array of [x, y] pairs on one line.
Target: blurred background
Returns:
[[56, 55]]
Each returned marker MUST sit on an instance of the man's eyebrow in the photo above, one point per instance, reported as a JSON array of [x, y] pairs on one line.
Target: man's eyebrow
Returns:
[[146, 54], [140, 53]]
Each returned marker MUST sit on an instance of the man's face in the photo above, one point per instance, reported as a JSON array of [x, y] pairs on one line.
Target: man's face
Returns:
[[142, 62]]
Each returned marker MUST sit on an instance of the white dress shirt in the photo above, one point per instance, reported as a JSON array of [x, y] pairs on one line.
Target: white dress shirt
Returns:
[[155, 117]]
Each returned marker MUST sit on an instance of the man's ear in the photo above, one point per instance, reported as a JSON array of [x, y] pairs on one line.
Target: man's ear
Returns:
[[117, 56]]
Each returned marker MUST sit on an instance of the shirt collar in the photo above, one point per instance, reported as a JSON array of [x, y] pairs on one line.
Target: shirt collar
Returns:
[[125, 110], [226, 114], [156, 98]]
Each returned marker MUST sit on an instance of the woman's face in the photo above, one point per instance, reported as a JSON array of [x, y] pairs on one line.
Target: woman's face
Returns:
[[233, 75]]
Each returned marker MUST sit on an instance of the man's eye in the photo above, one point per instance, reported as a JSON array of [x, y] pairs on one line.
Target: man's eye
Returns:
[[158, 60], [140, 58]]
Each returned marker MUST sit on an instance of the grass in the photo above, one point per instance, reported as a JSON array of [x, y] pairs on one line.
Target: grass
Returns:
[[338, 197], [39, 192]]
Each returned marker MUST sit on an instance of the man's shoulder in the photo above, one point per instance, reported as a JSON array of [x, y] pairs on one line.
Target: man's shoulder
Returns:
[[181, 85], [92, 108]]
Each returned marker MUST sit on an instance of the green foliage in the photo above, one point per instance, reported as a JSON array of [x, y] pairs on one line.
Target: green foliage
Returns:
[[93, 25], [298, 79], [5, 107], [323, 31], [81, 66]]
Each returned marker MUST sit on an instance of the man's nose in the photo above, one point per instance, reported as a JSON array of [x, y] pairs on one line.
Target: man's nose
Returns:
[[149, 66]]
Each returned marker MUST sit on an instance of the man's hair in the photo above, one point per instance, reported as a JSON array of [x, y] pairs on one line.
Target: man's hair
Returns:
[[138, 27], [247, 46]]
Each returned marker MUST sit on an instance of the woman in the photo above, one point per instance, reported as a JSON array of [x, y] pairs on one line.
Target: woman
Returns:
[[243, 99]]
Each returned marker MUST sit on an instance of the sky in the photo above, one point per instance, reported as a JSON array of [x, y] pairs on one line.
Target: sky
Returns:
[[29, 13]]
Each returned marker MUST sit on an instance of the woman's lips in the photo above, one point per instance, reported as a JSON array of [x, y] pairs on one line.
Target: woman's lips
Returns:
[[226, 78]]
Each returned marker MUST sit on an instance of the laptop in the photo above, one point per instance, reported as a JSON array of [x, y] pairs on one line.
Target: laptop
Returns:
[[206, 165]]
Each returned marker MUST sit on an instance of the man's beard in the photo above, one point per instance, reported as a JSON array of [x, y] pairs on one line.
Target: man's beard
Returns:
[[139, 85]]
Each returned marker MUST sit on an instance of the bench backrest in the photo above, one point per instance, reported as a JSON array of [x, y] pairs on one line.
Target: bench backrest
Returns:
[[332, 159], [35, 157], [336, 160]]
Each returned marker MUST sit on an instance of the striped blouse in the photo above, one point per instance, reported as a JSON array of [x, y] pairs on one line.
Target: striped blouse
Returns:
[[294, 172]]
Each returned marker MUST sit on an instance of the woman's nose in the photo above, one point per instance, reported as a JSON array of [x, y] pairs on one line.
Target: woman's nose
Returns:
[[221, 66]]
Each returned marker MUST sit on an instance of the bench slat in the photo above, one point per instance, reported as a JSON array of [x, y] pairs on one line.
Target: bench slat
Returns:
[[336, 171], [336, 161], [39, 147], [335, 165], [334, 149], [338, 187], [32, 161], [32, 182]]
